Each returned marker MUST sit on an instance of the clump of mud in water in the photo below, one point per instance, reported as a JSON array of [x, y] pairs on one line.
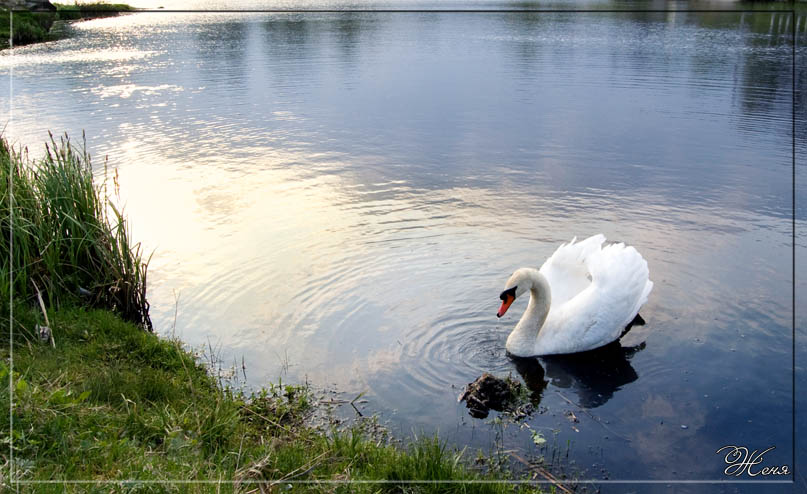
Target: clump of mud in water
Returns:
[[489, 392]]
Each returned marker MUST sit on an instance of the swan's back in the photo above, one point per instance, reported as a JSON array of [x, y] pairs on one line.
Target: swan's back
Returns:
[[596, 292]]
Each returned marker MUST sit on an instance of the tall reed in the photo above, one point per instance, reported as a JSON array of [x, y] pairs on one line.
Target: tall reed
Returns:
[[61, 234]]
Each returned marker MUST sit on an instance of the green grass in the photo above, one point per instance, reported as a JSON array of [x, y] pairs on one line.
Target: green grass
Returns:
[[69, 241], [113, 403]]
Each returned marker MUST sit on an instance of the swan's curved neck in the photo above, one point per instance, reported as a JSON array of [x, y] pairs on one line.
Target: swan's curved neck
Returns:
[[540, 299], [523, 337]]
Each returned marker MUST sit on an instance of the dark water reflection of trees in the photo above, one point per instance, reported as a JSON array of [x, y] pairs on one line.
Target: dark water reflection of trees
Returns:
[[758, 53]]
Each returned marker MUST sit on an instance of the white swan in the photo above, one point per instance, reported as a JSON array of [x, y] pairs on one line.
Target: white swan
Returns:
[[581, 298]]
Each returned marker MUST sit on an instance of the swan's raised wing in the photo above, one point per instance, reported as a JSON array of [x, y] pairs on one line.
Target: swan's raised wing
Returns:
[[567, 270], [597, 315]]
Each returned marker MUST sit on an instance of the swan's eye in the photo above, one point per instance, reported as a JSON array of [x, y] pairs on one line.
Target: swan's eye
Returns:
[[509, 292]]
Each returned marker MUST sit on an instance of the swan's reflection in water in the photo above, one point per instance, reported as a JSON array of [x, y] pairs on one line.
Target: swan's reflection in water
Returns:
[[533, 375], [594, 376]]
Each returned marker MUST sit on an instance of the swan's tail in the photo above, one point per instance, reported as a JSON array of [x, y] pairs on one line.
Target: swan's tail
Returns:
[[621, 269]]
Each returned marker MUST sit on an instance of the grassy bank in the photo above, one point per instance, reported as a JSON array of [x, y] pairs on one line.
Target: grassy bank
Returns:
[[34, 27], [111, 402], [102, 400]]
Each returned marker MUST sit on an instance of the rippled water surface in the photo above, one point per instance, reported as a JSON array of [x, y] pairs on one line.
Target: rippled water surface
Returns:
[[340, 197]]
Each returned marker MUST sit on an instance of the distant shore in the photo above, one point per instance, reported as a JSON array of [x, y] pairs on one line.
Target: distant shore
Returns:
[[35, 26]]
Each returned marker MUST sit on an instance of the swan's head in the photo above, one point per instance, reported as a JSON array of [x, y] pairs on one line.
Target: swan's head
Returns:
[[518, 283]]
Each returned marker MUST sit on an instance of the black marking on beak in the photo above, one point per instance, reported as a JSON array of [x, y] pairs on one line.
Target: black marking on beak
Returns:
[[509, 292]]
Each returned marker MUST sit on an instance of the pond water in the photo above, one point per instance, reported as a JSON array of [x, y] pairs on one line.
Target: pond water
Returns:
[[339, 198]]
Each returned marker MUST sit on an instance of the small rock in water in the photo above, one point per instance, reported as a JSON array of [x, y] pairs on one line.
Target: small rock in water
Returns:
[[684, 427]]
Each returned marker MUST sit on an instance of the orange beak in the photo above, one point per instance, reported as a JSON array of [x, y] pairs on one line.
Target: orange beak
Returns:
[[505, 305]]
